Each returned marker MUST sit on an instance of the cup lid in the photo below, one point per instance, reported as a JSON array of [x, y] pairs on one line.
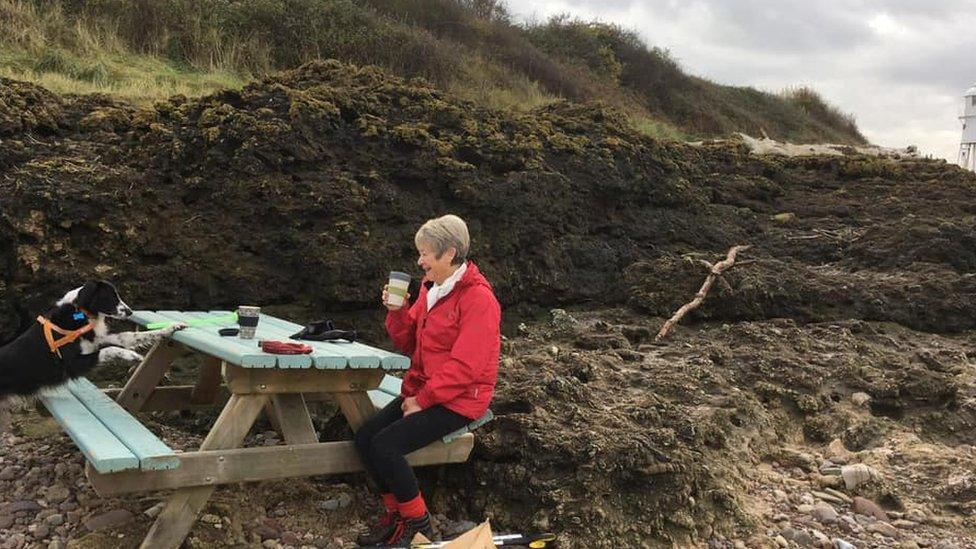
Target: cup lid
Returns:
[[399, 275]]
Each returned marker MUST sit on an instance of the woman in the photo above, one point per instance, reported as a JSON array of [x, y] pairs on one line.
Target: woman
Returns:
[[452, 333]]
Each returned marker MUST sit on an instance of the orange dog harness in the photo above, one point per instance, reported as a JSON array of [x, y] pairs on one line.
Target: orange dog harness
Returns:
[[68, 336]]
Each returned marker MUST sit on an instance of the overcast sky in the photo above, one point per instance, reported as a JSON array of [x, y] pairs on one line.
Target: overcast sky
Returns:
[[899, 66]]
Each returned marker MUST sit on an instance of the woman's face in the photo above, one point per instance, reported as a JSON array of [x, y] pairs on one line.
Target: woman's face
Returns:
[[436, 268]]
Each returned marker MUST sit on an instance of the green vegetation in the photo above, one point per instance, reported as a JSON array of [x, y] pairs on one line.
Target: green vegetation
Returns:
[[144, 50]]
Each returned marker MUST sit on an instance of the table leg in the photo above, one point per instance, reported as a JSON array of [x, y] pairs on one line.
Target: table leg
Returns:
[[292, 419], [177, 517], [208, 382], [356, 406], [148, 375]]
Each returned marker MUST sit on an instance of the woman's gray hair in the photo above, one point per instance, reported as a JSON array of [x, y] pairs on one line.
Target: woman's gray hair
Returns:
[[442, 234]]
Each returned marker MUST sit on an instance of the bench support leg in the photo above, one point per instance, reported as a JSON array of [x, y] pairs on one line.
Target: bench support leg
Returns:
[[208, 384], [356, 406], [292, 419], [180, 512], [148, 375]]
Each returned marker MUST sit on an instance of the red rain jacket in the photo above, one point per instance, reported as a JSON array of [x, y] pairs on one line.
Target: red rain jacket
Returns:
[[454, 347]]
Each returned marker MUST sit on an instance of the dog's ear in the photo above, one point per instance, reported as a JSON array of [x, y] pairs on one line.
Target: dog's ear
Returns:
[[98, 296], [86, 295]]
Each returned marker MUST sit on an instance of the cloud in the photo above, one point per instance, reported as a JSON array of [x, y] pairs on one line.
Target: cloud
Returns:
[[899, 66]]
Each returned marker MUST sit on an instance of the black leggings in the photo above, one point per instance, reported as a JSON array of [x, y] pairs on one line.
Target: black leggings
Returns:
[[385, 438]]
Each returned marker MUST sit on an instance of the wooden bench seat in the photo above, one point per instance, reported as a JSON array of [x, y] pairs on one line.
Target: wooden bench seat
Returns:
[[110, 438], [389, 389]]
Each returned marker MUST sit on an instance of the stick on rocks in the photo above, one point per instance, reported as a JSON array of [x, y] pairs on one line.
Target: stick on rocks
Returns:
[[715, 272]]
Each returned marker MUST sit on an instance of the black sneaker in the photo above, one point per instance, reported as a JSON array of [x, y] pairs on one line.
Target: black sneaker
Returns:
[[408, 528], [381, 532]]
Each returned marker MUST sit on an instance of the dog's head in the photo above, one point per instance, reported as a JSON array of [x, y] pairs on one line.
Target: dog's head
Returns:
[[99, 297]]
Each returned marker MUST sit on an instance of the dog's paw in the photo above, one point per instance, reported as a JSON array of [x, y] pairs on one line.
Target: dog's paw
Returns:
[[175, 327]]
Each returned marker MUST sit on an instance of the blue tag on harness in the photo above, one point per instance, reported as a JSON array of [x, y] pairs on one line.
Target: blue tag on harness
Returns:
[[79, 316]]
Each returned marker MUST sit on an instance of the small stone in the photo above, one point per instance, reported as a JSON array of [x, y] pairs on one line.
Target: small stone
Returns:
[[111, 519], [824, 513], [909, 544], [860, 399], [155, 510], [841, 544], [827, 497], [23, 505], [841, 495], [903, 524], [56, 544], [57, 493], [40, 531], [883, 528], [210, 519], [785, 217], [8, 473], [266, 532], [344, 500], [916, 515], [781, 541], [55, 520], [838, 453], [290, 538], [858, 474], [868, 508], [739, 544], [804, 509], [780, 495], [330, 504], [270, 544]]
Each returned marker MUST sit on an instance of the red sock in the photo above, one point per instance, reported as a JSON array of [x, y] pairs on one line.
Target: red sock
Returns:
[[414, 508], [390, 502]]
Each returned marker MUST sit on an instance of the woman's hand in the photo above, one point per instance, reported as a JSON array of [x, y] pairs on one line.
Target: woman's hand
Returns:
[[386, 296], [410, 406]]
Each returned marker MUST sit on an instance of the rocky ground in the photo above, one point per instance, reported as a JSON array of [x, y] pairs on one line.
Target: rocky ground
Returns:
[[757, 434], [822, 395]]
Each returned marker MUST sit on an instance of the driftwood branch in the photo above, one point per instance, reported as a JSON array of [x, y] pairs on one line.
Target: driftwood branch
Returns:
[[715, 273]]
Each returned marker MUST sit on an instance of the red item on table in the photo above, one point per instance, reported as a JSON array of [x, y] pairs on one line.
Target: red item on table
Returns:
[[285, 348]]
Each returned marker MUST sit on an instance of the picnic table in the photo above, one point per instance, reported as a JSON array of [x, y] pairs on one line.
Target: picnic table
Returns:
[[123, 456]]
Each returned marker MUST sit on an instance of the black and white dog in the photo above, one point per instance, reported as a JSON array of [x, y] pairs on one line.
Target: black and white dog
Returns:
[[71, 339]]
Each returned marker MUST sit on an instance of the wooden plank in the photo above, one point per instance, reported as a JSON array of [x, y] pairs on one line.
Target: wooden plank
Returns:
[[211, 342], [174, 398], [268, 331], [104, 452], [359, 354], [151, 452], [357, 407], [391, 384], [208, 381], [200, 340], [294, 422], [181, 509], [485, 418], [250, 380], [324, 355], [148, 375], [281, 361], [380, 398], [265, 463]]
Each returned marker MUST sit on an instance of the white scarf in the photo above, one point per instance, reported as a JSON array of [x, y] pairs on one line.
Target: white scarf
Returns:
[[438, 291]]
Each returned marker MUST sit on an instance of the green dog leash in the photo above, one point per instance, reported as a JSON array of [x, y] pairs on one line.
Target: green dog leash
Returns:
[[195, 322]]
